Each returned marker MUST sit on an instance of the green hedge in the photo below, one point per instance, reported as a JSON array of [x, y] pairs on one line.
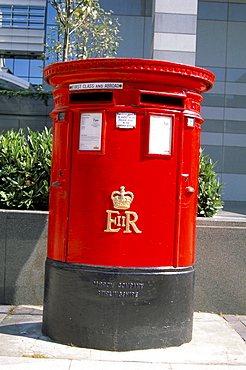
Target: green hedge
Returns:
[[25, 159], [209, 188], [36, 95]]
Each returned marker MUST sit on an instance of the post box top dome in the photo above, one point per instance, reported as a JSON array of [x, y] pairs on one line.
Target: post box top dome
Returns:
[[129, 70]]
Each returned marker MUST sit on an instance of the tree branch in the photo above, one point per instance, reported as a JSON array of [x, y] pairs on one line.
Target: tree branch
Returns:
[[57, 7]]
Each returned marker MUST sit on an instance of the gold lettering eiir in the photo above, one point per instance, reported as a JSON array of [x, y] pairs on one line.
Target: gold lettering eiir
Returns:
[[125, 219]]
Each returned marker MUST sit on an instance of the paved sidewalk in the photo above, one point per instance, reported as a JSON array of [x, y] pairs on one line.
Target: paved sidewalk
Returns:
[[238, 323], [215, 346]]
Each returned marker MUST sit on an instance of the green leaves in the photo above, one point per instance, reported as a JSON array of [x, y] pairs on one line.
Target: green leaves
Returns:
[[83, 30], [209, 188], [25, 162], [42, 95]]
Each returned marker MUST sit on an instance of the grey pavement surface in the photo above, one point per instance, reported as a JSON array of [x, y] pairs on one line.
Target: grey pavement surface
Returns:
[[225, 216], [216, 345]]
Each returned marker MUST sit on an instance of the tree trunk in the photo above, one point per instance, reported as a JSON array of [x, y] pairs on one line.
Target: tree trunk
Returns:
[[65, 46], [66, 32]]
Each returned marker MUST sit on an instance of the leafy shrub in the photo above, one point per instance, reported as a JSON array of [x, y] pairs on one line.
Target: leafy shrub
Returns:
[[209, 188], [25, 169], [25, 162], [37, 95]]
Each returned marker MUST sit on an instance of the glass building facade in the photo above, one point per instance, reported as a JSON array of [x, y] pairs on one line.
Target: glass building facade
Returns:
[[22, 34], [22, 16], [221, 48]]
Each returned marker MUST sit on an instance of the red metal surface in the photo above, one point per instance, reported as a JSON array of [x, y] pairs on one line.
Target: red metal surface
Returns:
[[153, 72], [84, 226]]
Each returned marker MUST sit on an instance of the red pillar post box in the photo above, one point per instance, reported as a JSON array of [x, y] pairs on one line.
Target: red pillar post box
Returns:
[[120, 263]]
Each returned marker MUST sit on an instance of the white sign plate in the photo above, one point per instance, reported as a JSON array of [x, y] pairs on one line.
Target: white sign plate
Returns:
[[96, 86], [125, 120], [191, 122], [90, 131], [160, 135]]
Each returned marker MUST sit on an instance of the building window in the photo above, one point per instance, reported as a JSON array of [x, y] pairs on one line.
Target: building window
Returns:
[[30, 70], [16, 16]]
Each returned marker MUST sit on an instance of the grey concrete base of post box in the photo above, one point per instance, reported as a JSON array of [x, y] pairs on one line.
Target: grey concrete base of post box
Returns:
[[118, 309]]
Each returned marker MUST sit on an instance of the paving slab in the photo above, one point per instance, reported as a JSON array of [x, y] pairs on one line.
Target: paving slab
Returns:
[[19, 363], [215, 346], [238, 323], [4, 310], [8, 363]]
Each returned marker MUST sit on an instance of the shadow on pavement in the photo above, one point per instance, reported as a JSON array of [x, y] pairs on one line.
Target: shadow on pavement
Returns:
[[30, 330]]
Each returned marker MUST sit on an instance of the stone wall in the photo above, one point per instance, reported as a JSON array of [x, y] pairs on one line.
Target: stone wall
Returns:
[[23, 236], [221, 264], [19, 112], [220, 261]]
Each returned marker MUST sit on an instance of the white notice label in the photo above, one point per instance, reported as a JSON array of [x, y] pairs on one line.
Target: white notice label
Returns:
[[90, 131], [96, 86], [125, 120], [191, 122], [160, 135]]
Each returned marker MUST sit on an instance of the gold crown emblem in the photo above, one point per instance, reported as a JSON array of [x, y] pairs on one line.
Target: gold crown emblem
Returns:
[[122, 199]]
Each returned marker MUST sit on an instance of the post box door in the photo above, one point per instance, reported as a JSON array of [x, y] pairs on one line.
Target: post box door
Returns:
[[189, 192], [59, 187], [144, 234]]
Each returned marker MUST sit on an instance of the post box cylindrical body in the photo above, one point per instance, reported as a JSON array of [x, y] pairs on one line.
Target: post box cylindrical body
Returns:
[[123, 198]]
